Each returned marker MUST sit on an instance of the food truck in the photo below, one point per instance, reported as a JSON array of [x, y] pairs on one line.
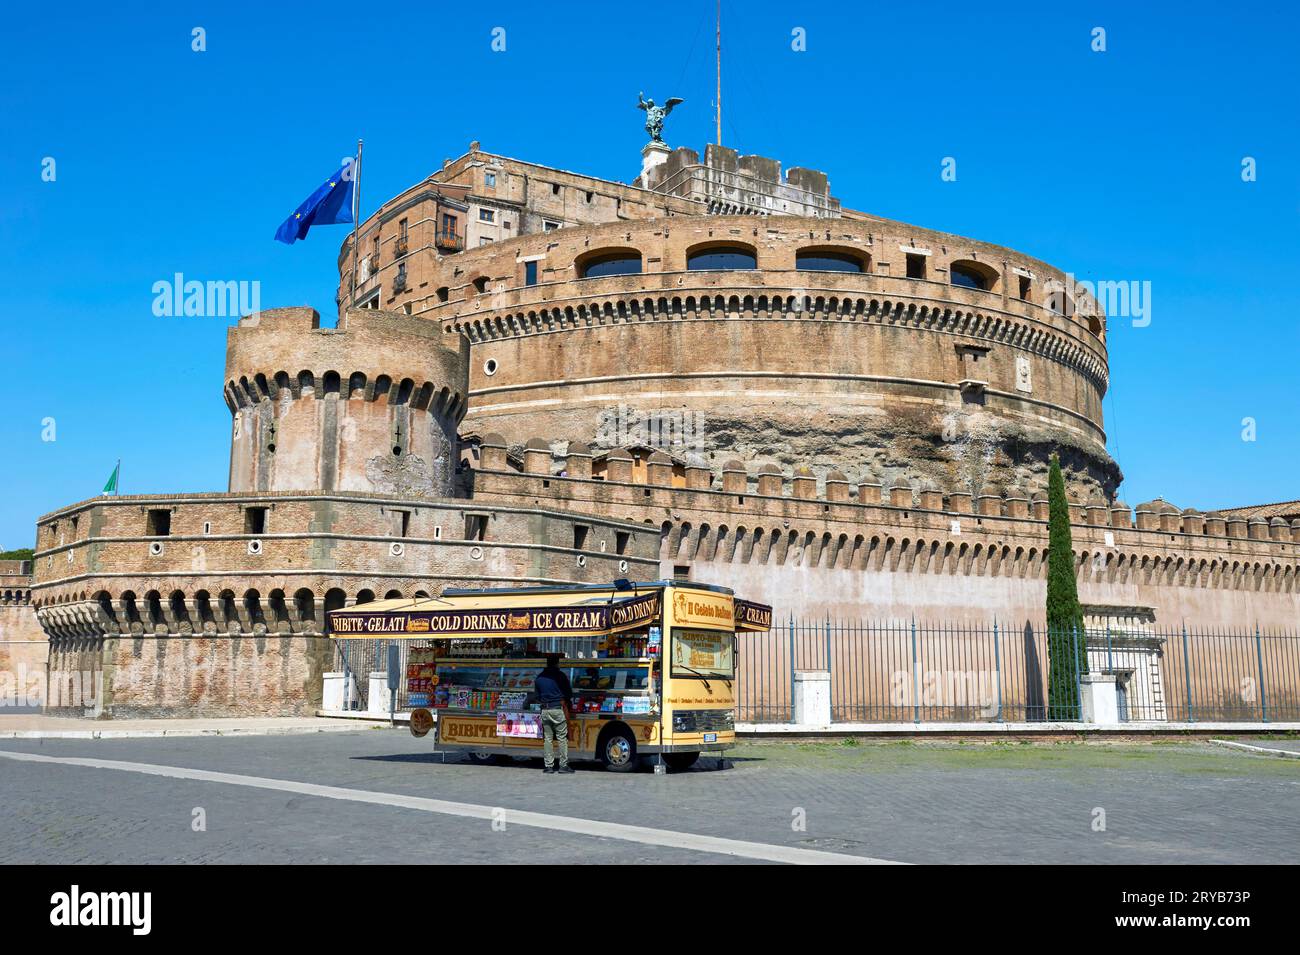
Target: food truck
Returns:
[[652, 665]]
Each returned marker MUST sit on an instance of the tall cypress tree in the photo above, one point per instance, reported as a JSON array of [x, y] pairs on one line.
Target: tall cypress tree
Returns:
[[1067, 651]]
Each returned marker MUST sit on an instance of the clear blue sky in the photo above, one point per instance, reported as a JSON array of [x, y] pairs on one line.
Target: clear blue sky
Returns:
[[1117, 165]]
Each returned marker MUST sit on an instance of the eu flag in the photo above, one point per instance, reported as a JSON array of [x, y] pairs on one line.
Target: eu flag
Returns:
[[329, 204]]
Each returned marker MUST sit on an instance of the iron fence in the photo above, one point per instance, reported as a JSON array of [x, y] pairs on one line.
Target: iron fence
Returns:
[[921, 672], [360, 658], [910, 671]]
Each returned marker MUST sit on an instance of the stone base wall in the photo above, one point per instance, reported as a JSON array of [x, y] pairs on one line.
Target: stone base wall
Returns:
[[188, 676], [23, 652]]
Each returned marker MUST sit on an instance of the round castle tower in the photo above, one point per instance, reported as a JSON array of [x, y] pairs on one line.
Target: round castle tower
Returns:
[[750, 315], [372, 405]]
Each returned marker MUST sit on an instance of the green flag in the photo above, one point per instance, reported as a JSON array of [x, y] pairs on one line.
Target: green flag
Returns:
[[111, 486]]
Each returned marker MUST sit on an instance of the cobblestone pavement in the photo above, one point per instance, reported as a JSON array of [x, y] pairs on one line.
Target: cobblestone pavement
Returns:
[[931, 802]]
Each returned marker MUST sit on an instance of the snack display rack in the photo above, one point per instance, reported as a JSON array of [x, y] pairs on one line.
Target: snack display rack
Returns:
[[480, 686]]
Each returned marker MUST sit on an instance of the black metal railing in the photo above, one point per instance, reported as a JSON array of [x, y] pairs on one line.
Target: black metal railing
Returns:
[[922, 672], [449, 240]]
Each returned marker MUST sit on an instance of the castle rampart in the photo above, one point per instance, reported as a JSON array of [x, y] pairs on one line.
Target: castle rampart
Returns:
[[838, 369], [23, 647], [194, 613], [826, 544], [372, 405]]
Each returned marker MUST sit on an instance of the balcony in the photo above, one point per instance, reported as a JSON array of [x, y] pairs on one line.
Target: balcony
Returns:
[[401, 246], [448, 240]]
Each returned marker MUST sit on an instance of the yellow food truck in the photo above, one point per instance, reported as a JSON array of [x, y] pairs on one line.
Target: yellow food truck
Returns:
[[652, 666]]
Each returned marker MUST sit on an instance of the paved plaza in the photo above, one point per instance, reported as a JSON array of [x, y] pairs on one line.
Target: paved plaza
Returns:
[[373, 796]]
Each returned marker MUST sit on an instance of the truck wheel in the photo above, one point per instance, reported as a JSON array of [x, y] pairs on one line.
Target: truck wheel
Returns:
[[484, 759], [617, 750], [679, 761]]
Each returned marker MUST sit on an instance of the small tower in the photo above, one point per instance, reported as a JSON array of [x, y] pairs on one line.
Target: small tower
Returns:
[[370, 406]]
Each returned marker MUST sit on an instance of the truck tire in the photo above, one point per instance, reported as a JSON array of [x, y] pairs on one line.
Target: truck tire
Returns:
[[617, 749]]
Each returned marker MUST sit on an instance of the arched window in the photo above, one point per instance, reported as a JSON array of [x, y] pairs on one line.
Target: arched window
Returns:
[[721, 257], [976, 275], [609, 262], [829, 260]]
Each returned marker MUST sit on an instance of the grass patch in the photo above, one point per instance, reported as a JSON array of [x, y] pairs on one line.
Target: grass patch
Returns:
[[1155, 757]]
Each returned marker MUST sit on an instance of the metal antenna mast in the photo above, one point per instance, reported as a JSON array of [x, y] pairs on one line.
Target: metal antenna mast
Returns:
[[718, 101]]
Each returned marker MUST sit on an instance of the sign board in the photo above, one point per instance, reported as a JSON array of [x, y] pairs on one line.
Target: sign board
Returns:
[[573, 621]]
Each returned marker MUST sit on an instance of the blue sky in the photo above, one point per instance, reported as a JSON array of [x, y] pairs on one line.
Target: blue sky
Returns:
[[1122, 165]]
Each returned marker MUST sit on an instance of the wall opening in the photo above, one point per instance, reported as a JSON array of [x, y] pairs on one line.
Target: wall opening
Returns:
[[158, 523], [255, 520]]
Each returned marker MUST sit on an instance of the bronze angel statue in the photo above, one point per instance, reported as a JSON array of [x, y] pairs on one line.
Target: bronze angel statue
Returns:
[[655, 115]]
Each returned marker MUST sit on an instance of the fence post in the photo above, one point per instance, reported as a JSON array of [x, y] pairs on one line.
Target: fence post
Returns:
[[791, 668], [1110, 657], [347, 676], [916, 679], [997, 670], [1078, 676], [830, 684], [1187, 674], [1259, 662]]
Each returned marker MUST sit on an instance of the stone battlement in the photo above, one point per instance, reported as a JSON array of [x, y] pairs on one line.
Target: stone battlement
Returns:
[[372, 405], [753, 489], [727, 183]]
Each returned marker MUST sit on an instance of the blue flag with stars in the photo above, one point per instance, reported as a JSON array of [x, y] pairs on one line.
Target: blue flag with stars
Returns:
[[329, 204]]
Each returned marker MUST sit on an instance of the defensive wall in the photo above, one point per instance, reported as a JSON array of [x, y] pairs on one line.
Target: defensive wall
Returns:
[[820, 543]]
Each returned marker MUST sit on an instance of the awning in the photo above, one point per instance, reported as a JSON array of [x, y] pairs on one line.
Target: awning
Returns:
[[518, 615], [752, 617]]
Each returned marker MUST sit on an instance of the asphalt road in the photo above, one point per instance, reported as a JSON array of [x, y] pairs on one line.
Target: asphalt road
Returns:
[[392, 799]]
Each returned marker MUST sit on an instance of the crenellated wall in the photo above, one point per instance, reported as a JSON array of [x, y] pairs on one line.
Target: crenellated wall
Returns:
[[208, 618], [819, 543], [372, 405], [23, 648], [968, 388]]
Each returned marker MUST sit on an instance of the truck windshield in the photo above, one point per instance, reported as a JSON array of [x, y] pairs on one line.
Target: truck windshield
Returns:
[[703, 654]]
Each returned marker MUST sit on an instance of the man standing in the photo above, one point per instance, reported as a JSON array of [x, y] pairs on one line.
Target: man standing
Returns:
[[554, 692]]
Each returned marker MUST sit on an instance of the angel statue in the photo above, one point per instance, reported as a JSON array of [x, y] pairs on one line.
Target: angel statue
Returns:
[[655, 115]]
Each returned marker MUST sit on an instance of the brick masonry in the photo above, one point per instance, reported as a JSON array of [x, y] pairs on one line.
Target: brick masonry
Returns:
[[874, 440]]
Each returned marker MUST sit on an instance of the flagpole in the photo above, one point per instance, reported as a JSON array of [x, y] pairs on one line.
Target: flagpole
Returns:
[[356, 220]]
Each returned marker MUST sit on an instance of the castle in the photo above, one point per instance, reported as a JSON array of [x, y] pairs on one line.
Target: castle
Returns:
[[715, 373]]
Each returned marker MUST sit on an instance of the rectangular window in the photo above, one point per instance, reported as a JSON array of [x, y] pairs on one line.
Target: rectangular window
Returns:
[[487, 215], [915, 266], [490, 180], [448, 223], [484, 240], [548, 226], [681, 572], [159, 523], [704, 654], [401, 226], [255, 520], [1024, 288], [580, 532], [401, 523], [620, 542], [476, 527], [530, 273]]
